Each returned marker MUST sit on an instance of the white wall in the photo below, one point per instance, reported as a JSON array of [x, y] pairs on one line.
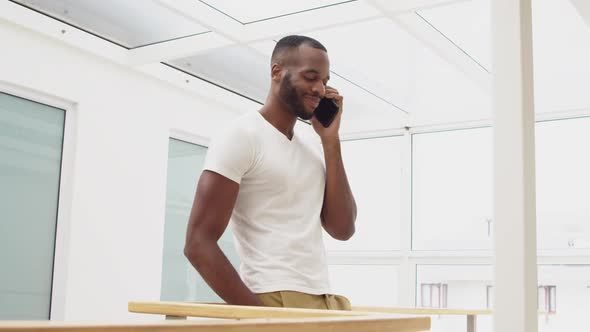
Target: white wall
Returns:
[[122, 121]]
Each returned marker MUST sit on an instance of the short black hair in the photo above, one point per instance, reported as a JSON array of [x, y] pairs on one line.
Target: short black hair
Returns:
[[292, 42]]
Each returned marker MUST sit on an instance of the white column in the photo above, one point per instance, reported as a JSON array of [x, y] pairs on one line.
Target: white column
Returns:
[[515, 291]]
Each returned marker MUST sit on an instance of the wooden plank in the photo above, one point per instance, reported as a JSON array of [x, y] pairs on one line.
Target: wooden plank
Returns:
[[232, 311], [423, 311], [341, 324]]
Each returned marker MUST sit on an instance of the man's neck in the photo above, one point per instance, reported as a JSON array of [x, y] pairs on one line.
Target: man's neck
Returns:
[[279, 117]]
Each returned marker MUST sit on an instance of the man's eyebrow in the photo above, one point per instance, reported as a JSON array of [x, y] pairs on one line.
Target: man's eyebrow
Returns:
[[315, 71], [312, 71]]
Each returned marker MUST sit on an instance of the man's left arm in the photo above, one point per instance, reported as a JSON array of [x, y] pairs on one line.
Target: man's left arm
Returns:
[[339, 208]]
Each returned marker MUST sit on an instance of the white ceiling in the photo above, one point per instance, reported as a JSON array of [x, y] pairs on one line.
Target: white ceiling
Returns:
[[397, 62]]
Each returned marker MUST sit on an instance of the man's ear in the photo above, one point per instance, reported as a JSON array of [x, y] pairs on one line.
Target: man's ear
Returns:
[[276, 72]]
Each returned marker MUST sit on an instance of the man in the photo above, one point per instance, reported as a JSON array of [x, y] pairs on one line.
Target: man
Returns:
[[279, 188]]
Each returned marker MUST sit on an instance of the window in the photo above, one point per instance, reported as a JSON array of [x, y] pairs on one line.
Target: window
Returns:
[[452, 190], [373, 167], [31, 140], [563, 184], [180, 281]]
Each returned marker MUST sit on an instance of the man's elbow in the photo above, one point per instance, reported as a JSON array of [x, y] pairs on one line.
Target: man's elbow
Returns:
[[344, 233], [194, 250], [343, 236], [190, 252]]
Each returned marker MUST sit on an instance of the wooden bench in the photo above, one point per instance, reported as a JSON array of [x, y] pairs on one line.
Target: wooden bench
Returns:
[[303, 319], [243, 319]]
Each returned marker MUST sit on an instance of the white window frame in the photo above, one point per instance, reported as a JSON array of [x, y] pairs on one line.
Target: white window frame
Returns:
[[66, 190]]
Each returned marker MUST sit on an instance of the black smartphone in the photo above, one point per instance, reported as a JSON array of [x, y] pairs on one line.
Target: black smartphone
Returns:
[[326, 111]]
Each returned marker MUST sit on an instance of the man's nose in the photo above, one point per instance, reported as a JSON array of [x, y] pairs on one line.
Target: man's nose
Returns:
[[320, 89]]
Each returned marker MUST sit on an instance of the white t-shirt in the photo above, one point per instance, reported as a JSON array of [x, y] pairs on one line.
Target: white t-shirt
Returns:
[[276, 218]]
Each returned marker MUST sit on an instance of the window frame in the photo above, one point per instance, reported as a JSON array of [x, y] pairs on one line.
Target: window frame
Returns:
[[65, 190]]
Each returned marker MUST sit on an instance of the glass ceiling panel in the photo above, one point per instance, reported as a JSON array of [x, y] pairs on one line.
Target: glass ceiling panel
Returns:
[[471, 32], [385, 82], [238, 68], [303, 22], [129, 23], [403, 73], [560, 45], [251, 11]]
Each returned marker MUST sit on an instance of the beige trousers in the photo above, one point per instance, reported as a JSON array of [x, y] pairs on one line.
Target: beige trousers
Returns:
[[290, 299]]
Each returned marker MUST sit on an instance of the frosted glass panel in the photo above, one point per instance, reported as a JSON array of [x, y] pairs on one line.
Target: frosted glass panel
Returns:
[[452, 190], [373, 167], [225, 66], [31, 136], [366, 285], [180, 281], [563, 184]]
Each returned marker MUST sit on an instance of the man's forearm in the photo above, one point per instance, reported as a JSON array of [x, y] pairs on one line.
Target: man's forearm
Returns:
[[339, 211], [220, 275]]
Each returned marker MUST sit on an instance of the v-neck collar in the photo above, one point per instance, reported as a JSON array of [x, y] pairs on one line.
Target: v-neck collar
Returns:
[[277, 131]]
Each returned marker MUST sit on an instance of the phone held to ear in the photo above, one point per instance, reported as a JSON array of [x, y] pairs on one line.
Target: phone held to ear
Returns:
[[326, 111]]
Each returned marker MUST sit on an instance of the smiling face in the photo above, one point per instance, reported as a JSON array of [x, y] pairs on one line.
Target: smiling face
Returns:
[[303, 81]]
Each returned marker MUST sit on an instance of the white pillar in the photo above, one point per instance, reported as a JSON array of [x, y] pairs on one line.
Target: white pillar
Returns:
[[515, 273]]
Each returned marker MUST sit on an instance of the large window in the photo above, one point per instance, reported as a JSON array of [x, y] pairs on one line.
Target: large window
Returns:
[[180, 281], [452, 190], [373, 167], [563, 184], [31, 140]]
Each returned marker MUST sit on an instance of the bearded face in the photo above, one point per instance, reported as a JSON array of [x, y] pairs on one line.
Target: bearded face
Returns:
[[293, 98]]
